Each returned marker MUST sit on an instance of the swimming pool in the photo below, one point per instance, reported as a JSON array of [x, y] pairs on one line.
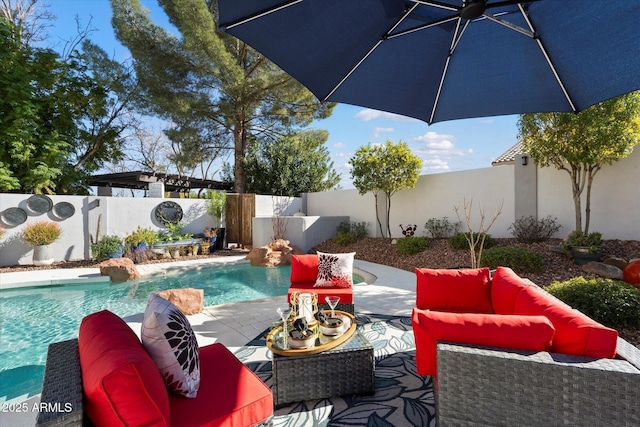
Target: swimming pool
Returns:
[[32, 318]]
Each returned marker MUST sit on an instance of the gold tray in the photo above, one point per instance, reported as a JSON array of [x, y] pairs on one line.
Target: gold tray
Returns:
[[323, 342]]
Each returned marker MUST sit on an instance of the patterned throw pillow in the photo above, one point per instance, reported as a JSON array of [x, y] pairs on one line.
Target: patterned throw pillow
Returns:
[[335, 270], [168, 338]]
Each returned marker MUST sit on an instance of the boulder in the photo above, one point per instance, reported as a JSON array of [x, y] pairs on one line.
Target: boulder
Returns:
[[119, 269], [274, 254], [618, 262], [604, 270], [188, 300]]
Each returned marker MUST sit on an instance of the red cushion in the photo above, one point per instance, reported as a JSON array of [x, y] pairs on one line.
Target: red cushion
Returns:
[[304, 268], [122, 386], [532, 333], [345, 294], [576, 333], [505, 287], [230, 394], [453, 290]]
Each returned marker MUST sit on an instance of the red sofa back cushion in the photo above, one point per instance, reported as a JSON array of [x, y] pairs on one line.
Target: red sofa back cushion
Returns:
[[304, 268], [459, 291], [576, 333], [532, 333], [505, 287], [122, 386]]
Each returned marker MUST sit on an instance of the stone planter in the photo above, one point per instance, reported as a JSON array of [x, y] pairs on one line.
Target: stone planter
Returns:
[[42, 255]]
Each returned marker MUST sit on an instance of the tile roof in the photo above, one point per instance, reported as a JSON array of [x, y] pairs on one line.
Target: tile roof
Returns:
[[509, 156]]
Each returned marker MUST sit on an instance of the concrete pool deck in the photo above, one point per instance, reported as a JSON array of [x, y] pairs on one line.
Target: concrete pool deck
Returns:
[[234, 324]]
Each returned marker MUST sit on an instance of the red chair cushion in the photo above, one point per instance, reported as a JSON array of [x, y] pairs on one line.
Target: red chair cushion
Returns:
[[460, 291], [345, 294], [304, 268], [576, 333], [121, 383], [505, 287], [532, 333], [230, 394]]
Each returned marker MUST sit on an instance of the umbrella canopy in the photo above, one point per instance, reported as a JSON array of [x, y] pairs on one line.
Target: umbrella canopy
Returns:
[[448, 59]]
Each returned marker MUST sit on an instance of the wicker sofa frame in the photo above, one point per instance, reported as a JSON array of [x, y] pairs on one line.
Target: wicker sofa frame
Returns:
[[62, 386], [483, 386]]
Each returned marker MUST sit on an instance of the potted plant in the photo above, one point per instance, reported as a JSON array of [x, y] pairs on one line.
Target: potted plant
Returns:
[[584, 247], [141, 238], [216, 203], [41, 235], [107, 247]]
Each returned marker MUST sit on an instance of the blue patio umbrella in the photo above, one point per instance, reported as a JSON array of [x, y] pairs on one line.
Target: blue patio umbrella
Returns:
[[448, 59]]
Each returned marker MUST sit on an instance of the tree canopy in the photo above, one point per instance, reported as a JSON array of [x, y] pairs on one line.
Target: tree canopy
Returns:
[[294, 164], [385, 168], [580, 144], [60, 118], [219, 92]]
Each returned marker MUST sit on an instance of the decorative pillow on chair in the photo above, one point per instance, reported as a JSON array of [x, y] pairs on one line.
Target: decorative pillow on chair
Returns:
[[335, 270], [168, 338]]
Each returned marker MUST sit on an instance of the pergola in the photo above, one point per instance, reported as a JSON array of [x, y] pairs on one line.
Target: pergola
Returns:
[[140, 180]]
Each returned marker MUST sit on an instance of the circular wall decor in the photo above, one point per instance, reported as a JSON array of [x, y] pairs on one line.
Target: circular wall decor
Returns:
[[39, 204], [13, 216], [63, 210], [168, 212]]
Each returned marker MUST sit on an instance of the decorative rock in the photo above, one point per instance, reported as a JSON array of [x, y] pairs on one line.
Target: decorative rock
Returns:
[[119, 269], [188, 300], [274, 254], [618, 262], [604, 270]]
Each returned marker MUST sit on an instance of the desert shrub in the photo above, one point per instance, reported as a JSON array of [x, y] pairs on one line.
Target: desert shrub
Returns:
[[529, 229], [459, 241], [441, 228], [348, 232], [613, 303], [411, 245], [521, 260]]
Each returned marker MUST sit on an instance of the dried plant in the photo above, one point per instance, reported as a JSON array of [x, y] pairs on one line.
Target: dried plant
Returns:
[[476, 239]]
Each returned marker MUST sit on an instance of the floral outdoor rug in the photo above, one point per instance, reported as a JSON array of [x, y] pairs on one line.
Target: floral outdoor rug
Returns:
[[402, 397]]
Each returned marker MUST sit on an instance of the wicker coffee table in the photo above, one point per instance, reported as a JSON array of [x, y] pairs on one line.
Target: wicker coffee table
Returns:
[[342, 370]]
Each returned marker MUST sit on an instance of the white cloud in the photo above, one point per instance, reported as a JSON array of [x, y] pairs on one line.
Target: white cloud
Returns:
[[339, 145], [378, 130], [369, 114], [439, 144]]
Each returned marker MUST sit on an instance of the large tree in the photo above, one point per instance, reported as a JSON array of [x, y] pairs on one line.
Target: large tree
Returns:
[[292, 165], [580, 144], [218, 91], [385, 169]]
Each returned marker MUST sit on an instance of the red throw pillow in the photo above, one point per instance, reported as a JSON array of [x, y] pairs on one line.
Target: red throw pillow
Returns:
[[466, 290], [304, 268], [532, 333], [576, 333], [505, 287], [121, 384]]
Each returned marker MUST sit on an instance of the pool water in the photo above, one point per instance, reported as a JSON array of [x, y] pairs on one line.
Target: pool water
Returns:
[[32, 318]]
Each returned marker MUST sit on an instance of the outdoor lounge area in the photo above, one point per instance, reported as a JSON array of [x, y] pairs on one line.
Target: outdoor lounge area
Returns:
[[474, 386]]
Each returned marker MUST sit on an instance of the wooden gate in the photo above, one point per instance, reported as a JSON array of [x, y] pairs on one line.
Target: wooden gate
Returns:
[[240, 210]]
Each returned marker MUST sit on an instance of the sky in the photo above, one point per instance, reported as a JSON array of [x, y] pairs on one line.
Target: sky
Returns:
[[443, 147]]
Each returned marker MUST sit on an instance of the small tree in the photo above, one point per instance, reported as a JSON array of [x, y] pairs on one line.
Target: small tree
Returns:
[[216, 202], [386, 169], [476, 239], [580, 144]]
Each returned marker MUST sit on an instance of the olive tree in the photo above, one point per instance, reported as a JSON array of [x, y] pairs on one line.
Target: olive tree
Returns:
[[580, 144], [384, 169]]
